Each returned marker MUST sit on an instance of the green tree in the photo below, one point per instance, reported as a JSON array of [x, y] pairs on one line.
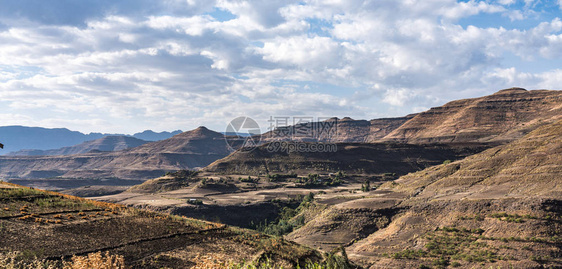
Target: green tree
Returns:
[[366, 186]]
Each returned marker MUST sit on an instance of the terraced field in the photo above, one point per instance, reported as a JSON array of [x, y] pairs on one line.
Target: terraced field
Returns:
[[55, 229]]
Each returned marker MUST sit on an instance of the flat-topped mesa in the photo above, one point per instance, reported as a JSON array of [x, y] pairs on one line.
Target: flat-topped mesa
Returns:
[[514, 90], [345, 130], [501, 117]]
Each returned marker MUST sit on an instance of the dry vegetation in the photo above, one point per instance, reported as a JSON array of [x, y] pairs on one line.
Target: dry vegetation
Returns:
[[42, 229]]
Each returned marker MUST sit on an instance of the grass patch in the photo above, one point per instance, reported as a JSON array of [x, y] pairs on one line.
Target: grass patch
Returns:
[[13, 193], [452, 244]]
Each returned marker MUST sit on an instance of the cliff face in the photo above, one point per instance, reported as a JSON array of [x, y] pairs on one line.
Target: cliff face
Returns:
[[336, 130], [380, 128], [501, 117], [504, 116]]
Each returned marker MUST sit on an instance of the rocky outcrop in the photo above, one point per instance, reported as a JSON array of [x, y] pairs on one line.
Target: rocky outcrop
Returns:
[[334, 130]]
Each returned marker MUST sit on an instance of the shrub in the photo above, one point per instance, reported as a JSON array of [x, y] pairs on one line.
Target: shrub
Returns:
[[96, 260], [16, 260], [287, 222], [249, 179], [195, 201], [280, 177], [366, 186]]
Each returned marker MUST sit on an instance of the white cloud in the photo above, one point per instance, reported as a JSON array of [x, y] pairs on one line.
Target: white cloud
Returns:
[[302, 51], [396, 97], [506, 2], [172, 65]]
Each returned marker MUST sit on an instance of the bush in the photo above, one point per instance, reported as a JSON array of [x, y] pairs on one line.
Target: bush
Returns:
[[182, 174], [365, 187], [280, 177], [308, 198], [96, 260], [249, 179], [195, 201], [287, 222]]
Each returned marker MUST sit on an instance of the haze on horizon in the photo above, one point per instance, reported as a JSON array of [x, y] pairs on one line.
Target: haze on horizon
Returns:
[[127, 66]]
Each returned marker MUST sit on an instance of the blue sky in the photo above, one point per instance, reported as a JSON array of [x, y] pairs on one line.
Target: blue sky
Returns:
[[130, 65]]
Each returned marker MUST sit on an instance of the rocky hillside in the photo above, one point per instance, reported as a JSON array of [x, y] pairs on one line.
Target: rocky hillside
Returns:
[[502, 117], [353, 158], [528, 167], [334, 130], [196, 148], [108, 143], [42, 229], [498, 208]]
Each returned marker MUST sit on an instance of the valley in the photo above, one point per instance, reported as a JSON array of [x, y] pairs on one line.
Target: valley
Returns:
[[474, 183]]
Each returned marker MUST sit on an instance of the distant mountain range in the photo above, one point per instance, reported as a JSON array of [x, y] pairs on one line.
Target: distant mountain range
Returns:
[[188, 150], [16, 138], [107, 143], [495, 119]]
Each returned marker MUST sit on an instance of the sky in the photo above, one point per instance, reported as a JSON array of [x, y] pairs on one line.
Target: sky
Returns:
[[131, 65]]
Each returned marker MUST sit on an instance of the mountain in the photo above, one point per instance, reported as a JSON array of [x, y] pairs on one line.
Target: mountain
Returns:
[[334, 130], [356, 158], [107, 143], [527, 167], [500, 208], [188, 150], [488, 195], [17, 138], [149, 135], [501, 117], [504, 116]]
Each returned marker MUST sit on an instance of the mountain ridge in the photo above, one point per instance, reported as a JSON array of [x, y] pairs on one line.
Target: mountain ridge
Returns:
[[504, 116], [17, 137], [187, 150], [106, 143]]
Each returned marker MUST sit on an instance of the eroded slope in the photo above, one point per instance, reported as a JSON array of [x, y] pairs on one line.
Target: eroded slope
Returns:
[[500, 208]]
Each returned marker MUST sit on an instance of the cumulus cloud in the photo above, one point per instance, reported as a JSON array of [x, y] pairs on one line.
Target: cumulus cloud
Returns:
[[127, 66]]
